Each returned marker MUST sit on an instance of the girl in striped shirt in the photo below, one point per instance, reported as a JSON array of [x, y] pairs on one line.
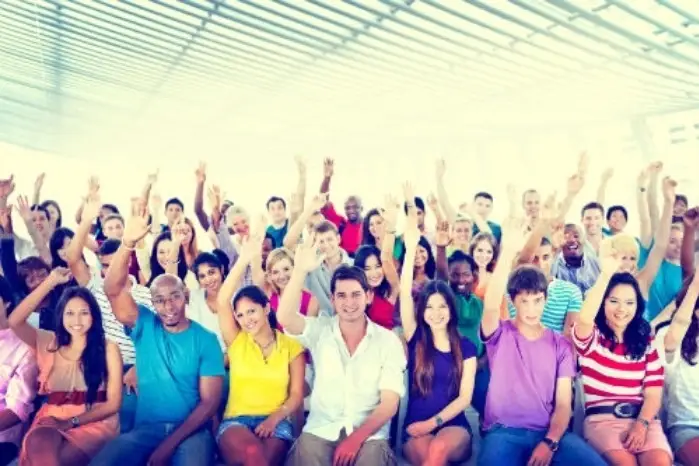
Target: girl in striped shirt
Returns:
[[622, 373]]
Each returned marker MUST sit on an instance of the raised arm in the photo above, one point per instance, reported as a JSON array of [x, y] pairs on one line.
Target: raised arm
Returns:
[[646, 235], [691, 224], [389, 215], [293, 235], [433, 205], [39, 242], [411, 237], [18, 318], [306, 259], [574, 186], [178, 234], [328, 172], [38, 184], [654, 172], [662, 238], [74, 253], [683, 317], [511, 244], [199, 197], [603, 184], [609, 264], [442, 196], [252, 247], [441, 241], [116, 281], [548, 216], [299, 196]]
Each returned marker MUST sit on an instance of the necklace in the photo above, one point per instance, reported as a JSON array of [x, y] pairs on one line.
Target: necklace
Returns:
[[266, 345]]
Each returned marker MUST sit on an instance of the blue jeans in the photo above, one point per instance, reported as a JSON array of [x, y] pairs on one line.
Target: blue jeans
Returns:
[[480, 389], [511, 446], [134, 448], [127, 412]]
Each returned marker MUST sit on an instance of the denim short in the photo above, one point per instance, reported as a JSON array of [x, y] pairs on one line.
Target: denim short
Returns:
[[680, 435], [283, 431]]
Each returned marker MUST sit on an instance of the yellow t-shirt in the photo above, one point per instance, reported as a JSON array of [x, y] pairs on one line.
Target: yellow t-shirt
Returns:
[[259, 387]]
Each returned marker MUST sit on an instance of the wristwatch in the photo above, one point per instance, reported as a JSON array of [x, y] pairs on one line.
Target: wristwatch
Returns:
[[552, 444], [439, 421], [643, 422], [74, 421]]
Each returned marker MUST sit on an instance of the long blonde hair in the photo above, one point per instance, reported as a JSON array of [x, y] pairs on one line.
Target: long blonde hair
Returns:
[[275, 256]]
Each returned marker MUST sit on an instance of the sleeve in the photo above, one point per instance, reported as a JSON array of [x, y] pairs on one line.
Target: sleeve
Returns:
[[398, 248], [9, 263], [587, 345], [643, 254], [295, 348], [575, 300], [493, 339], [146, 317], [393, 366], [655, 374], [468, 349], [330, 214], [311, 330], [21, 390], [565, 358], [211, 361]]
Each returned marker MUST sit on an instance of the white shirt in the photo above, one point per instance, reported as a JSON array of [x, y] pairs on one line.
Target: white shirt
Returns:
[[681, 386], [24, 248], [347, 388], [113, 329], [199, 311]]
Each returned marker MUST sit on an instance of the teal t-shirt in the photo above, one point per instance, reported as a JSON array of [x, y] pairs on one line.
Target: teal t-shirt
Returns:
[[470, 311], [168, 367], [664, 288]]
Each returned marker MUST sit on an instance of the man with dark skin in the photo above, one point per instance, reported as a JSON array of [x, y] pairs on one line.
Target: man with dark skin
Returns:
[[574, 264], [350, 226]]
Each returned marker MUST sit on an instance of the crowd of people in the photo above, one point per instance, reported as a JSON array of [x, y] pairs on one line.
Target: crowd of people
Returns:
[[294, 338]]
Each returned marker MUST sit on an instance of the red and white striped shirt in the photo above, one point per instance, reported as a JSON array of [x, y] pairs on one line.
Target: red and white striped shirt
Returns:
[[610, 377]]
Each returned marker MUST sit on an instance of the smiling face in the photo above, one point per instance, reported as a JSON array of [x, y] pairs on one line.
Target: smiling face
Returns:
[[173, 211], [40, 221], [169, 300], [593, 220], [163, 252], [674, 246], [240, 224], [572, 242], [277, 211], [350, 300], [279, 273], [620, 307], [483, 253], [461, 278], [461, 233], [530, 202], [77, 318], [210, 278], [617, 221], [484, 206], [421, 256], [251, 316], [373, 271], [353, 209], [376, 227], [437, 312], [54, 215], [113, 228]]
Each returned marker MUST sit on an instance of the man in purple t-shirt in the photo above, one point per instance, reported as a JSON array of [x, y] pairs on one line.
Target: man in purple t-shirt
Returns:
[[528, 405]]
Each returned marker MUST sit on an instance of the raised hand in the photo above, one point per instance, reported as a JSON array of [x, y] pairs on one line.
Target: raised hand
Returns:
[[156, 202], [5, 219], [411, 235], [138, 225], [408, 193], [23, 208], [93, 185], [576, 183], [201, 173], [7, 187], [583, 163], [308, 256], [609, 259], [152, 178], [549, 210], [179, 230], [300, 165], [655, 168], [607, 174], [642, 179], [512, 233], [328, 167], [295, 203], [432, 201], [511, 192], [691, 218], [441, 238], [39, 182], [390, 212], [669, 186], [60, 276], [92, 207], [318, 202], [440, 168]]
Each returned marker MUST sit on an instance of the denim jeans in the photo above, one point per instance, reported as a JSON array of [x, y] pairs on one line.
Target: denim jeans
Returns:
[[135, 447], [511, 446], [480, 389], [127, 412]]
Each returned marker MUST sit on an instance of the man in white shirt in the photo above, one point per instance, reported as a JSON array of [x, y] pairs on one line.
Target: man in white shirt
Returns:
[[359, 370]]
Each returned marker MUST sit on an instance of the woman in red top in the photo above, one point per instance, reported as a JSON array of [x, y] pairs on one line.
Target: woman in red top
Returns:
[[381, 270]]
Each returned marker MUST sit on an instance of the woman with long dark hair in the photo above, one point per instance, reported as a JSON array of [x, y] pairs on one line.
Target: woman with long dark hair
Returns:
[[203, 301], [621, 370], [441, 367], [373, 228], [680, 349], [79, 372], [266, 371], [160, 259]]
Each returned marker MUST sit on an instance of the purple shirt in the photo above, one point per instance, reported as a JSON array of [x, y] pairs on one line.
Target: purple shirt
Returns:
[[422, 408], [523, 377], [18, 382]]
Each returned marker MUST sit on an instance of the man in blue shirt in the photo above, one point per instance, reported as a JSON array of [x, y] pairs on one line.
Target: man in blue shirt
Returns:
[[179, 370]]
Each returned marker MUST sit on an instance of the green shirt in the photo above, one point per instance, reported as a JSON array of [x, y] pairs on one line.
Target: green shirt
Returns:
[[470, 312]]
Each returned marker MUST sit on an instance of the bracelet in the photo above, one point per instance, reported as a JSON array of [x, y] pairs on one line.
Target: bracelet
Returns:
[[127, 247], [173, 262], [392, 232], [643, 422]]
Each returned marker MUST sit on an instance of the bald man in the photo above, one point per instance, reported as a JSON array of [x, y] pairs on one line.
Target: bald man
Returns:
[[179, 370]]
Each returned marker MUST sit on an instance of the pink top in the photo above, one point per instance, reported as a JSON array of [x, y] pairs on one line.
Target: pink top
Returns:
[[303, 310], [381, 312], [18, 375]]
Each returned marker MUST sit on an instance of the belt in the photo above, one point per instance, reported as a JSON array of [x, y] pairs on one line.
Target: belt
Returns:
[[619, 410]]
